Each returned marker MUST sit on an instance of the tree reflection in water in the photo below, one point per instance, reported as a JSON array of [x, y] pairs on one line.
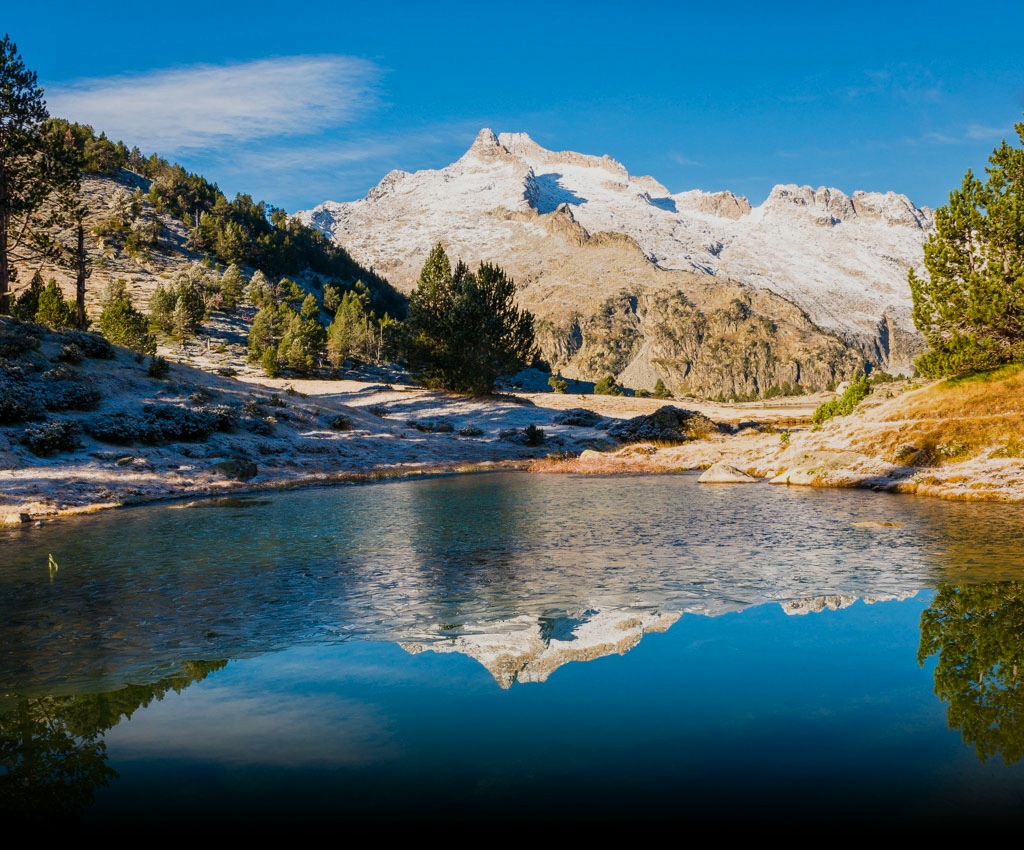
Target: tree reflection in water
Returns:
[[977, 632], [52, 753]]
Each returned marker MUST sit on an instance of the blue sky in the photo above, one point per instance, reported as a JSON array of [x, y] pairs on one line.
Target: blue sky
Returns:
[[296, 104]]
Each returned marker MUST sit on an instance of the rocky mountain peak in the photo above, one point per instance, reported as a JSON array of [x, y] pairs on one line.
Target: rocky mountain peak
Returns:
[[721, 204], [583, 224], [486, 147]]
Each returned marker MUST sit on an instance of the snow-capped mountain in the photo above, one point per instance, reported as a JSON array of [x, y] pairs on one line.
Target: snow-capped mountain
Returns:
[[578, 231]]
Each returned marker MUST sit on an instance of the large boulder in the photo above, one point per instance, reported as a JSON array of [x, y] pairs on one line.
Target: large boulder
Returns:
[[667, 424], [725, 473]]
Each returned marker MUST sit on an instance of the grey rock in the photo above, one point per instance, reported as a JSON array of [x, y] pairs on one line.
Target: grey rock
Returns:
[[667, 424], [725, 473]]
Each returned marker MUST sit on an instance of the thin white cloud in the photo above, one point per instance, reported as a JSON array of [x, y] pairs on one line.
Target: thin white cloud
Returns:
[[904, 82], [304, 172], [682, 159], [979, 131], [207, 106]]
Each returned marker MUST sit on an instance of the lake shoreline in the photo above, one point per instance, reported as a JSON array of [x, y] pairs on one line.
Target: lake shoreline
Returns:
[[395, 431]]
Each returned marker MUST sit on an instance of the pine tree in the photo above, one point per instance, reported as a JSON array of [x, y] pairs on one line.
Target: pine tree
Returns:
[[348, 335], [121, 323], [22, 113], [970, 307], [54, 310], [232, 285], [32, 165], [464, 329], [26, 305]]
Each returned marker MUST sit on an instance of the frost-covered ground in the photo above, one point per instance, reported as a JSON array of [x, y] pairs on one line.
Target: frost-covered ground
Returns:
[[194, 432]]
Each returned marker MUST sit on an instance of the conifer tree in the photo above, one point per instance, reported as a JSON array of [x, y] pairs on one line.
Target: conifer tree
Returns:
[[54, 310], [464, 328], [121, 323], [970, 307], [33, 167]]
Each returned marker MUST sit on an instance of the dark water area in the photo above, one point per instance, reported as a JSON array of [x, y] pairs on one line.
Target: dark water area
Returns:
[[518, 648]]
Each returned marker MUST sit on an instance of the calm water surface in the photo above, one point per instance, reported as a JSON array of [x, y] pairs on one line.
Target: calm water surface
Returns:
[[517, 648]]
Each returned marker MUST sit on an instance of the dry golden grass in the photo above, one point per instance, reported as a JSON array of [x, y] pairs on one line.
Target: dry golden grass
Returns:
[[948, 421]]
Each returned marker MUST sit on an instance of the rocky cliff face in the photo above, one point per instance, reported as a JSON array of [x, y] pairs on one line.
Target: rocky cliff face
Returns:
[[699, 288]]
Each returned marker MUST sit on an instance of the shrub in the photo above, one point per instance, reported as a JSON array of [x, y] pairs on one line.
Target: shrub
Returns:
[[50, 438], [666, 425], [578, 416], [66, 394], [432, 426], [158, 366], [608, 386], [533, 436], [854, 394], [558, 384], [158, 423], [70, 353], [660, 390], [92, 345]]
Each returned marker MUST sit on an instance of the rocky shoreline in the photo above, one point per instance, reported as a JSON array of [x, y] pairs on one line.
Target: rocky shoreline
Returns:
[[85, 426], [403, 431]]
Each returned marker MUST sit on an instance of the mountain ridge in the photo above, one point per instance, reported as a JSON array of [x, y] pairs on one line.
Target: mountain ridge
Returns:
[[842, 259]]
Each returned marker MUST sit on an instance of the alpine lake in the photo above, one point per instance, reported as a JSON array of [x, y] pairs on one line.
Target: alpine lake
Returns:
[[508, 648]]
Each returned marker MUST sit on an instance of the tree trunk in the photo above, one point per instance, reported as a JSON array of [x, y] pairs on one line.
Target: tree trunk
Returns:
[[80, 277], [5, 269]]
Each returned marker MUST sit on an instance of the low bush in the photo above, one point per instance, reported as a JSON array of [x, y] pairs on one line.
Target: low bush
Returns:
[[854, 394], [432, 426], [578, 416], [71, 353], [90, 344], [608, 386], [533, 436], [159, 423], [158, 367], [53, 437]]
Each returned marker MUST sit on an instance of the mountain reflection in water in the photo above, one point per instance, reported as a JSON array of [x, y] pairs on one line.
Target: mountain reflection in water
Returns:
[[523, 574]]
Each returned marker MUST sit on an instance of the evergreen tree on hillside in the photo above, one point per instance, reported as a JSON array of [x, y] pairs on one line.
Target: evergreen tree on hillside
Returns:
[[121, 323], [31, 169], [970, 306], [54, 310], [464, 329], [26, 305]]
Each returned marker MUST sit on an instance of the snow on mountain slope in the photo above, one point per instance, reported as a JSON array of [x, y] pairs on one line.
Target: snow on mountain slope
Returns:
[[843, 260]]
